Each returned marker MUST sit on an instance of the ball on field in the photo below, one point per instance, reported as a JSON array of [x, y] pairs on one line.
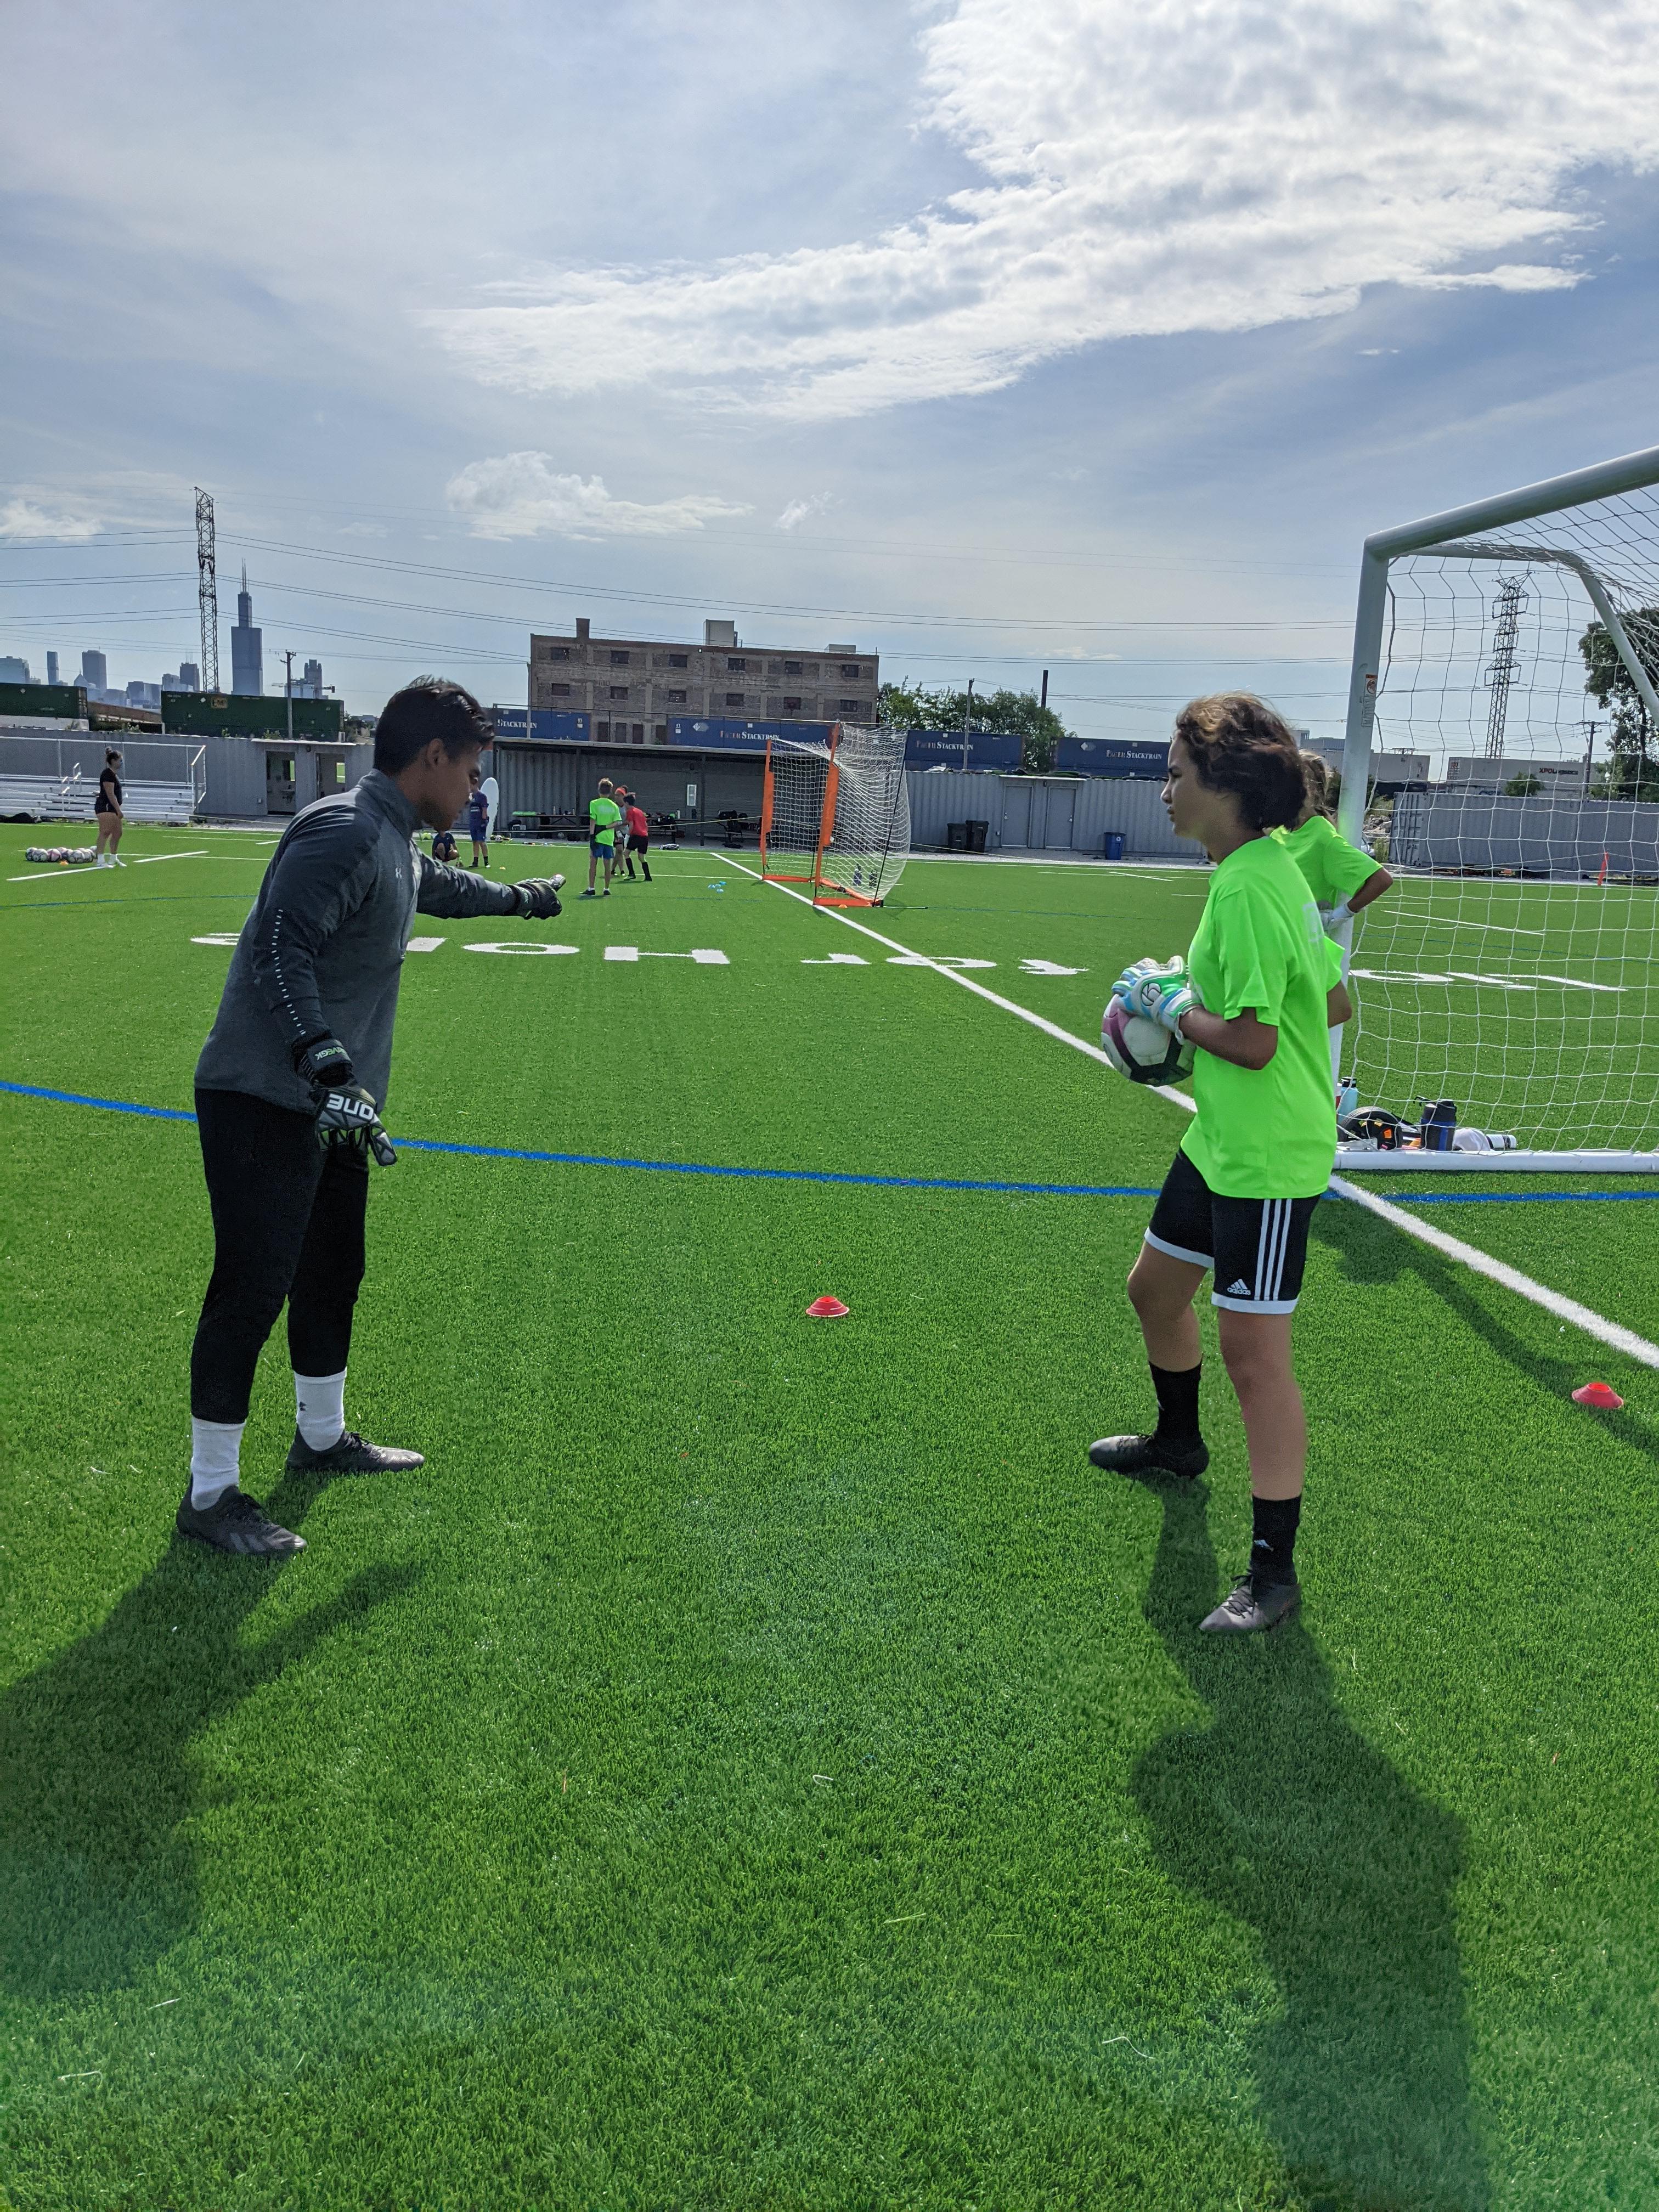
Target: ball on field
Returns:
[[1140, 1048]]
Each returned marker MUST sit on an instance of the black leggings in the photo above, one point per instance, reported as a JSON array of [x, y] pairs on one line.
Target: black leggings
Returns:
[[287, 1222]]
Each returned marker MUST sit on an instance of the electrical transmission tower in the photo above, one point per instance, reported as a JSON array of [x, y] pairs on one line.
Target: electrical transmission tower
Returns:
[[1511, 597], [207, 589]]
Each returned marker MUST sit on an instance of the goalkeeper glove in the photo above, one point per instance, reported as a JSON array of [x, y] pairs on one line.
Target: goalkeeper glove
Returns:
[[346, 1113], [538, 899], [1160, 990], [1334, 916]]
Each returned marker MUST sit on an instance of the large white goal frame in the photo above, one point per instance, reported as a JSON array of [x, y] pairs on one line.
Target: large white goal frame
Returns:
[[1457, 536]]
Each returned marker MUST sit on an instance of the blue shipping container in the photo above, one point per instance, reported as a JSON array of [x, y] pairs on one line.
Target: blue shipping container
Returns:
[[709, 735], [1112, 756], [939, 749], [546, 727]]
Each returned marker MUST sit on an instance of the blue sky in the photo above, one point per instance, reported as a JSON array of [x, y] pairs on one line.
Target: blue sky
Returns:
[[990, 335]]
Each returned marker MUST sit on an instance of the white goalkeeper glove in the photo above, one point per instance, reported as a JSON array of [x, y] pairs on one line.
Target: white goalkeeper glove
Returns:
[[1334, 916], [1160, 990]]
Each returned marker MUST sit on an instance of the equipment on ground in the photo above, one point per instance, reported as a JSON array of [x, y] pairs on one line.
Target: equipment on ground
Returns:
[[71, 856], [836, 816], [1141, 1048], [491, 792], [1502, 759]]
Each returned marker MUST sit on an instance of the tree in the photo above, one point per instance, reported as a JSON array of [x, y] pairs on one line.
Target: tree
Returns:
[[1523, 787], [1631, 771], [909, 706]]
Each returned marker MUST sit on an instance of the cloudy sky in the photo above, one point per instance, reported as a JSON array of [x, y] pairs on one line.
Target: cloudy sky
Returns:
[[992, 334]]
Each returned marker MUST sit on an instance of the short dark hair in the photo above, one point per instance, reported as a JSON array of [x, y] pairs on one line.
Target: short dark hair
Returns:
[[431, 707], [1237, 743]]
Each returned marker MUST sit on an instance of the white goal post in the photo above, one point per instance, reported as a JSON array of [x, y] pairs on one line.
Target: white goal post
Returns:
[[1514, 969]]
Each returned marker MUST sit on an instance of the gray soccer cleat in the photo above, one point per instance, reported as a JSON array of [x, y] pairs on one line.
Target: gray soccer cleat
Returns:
[[236, 1523], [1251, 1607], [351, 1453], [1149, 1458]]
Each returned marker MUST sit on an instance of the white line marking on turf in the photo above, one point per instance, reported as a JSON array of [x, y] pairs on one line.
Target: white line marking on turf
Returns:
[[144, 859], [423, 944], [1610, 1333], [1481, 1263]]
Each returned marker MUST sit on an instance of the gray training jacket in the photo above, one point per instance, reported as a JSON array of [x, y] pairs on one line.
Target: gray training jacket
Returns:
[[322, 951]]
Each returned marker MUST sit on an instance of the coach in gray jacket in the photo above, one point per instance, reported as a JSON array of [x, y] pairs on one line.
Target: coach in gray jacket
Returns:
[[289, 1090]]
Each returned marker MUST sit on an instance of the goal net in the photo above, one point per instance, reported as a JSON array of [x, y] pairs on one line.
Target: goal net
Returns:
[[836, 816], [1504, 707]]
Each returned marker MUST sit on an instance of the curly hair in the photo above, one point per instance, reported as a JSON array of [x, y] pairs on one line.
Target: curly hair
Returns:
[[1316, 775], [1237, 743]]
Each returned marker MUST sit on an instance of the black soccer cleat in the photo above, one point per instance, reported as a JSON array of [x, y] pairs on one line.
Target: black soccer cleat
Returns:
[[236, 1523], [1251, 1607], [351, 1455], [1150, 1458]]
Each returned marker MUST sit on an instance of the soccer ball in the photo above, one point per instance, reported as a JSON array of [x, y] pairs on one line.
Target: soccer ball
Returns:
[[1141, 1049]]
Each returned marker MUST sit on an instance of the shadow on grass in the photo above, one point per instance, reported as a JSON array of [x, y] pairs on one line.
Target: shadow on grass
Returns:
[[1286, 1819], [97, 1773], [1372, 1252]]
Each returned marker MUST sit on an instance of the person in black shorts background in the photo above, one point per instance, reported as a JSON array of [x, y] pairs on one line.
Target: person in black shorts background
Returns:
[[106, 814], [637, 823], [444, 848]]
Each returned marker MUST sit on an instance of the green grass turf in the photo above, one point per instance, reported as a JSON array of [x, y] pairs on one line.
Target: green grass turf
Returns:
[[757, 1764]]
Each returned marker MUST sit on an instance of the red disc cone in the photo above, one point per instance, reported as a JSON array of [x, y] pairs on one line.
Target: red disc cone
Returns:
[[827, 1308], [1597, 1394]]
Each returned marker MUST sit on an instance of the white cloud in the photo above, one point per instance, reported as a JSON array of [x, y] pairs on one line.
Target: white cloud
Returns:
[[1151, 167], [21, 519], [800, 510], [522, 496]]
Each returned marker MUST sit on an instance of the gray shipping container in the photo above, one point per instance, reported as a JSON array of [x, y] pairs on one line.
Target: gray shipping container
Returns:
[[1464, 828], [1036, 813]]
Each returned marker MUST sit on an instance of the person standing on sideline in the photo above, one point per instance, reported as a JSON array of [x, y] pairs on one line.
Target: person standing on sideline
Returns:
[[639, 833], [603, 816], [289, 1090], [619, 842], [477, 818], [1343, 879], [106, 814], [1255, 994]]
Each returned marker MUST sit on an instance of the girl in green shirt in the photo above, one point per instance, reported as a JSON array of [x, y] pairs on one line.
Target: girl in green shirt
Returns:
[[1341, 878], [1255, 995]]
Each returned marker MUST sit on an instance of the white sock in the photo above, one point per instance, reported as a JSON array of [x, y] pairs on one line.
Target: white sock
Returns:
[[215, 1449], [319, 1409]]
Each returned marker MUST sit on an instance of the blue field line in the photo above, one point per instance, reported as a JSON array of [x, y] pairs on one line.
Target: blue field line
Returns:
[[822, 1175]]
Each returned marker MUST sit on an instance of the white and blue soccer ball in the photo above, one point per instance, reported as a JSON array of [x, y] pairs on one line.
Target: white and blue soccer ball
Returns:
[[1141, 1049]]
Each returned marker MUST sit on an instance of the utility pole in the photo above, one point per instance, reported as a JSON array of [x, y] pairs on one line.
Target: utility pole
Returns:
[[967, 722], [288, 689], [207, 589], [1043, 701], [1590, 730]]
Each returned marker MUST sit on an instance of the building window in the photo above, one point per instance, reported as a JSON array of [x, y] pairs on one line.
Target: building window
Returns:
[[675, 698], [792, 668], [558, 690], [556, 653], [677, 661], [619, 660], [601, 732], [660, 734], [848, 705], [639, 733], [734, 699], [735, 661], [792, 706], [619, 690]]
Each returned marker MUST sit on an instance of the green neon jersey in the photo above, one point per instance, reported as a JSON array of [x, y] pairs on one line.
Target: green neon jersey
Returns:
[[1334, 868], [1268, 1132], [603, 816]]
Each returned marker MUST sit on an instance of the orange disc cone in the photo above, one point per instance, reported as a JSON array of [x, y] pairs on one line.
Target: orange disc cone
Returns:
[[827, 1308], [1598, 1393]]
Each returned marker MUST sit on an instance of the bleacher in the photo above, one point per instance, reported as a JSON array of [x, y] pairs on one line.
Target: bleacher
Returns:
[[49, 779]]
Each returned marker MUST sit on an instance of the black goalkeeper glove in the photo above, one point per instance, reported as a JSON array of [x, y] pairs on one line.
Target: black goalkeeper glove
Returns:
[[346, 1113], [538, 899]]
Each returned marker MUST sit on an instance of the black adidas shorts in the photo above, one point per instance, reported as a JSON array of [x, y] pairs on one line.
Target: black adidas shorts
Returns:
[[1258, 1246]]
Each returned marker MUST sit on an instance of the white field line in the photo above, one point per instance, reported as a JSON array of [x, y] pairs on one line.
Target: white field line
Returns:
[[145, 860], [1610, 1333]]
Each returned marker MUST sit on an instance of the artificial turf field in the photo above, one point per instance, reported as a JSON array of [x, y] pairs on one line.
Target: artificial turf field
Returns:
[[759, 1763]]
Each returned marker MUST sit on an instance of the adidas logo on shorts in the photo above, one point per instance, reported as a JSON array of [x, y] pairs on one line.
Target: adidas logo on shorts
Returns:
[[1239, 1289]]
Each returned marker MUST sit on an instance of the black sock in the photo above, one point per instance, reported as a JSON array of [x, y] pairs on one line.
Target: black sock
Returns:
[[1177, 1403], [1273, 1548]]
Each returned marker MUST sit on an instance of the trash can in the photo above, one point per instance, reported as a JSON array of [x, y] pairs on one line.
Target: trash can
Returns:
[[977, 832], [956, 837], [1111, 845]]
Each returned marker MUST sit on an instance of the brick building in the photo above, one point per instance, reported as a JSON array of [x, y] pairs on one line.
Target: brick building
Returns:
[[633, 686]]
